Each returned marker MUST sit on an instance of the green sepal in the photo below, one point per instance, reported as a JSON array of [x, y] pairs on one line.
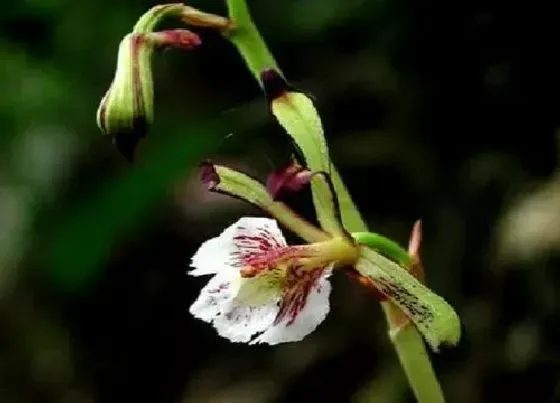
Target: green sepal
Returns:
[[231, 182], [297, 115], [432, 315]]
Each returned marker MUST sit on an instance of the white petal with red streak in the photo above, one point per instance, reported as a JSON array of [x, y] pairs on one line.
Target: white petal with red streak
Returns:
[[306, 321], [249, 235], [215, 297], [242, 308], [238, 307]]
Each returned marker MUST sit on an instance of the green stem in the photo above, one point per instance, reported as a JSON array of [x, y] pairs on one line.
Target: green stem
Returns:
[[416, 364], [247, 39], [408, 342]]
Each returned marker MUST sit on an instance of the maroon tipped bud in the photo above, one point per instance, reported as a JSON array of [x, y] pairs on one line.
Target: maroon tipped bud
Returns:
[[177, 38], [417, 269], [209, 175], [126, 110], [292, 177], [274, 84]]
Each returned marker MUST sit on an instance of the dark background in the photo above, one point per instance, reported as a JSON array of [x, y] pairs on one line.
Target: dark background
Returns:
[[434, 109]]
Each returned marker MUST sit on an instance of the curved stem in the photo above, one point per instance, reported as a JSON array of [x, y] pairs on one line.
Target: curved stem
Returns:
[[247, 39], [383, 245], [416, 364]]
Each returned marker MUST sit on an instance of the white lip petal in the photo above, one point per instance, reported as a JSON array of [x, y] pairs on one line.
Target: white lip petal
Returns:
[[247, 311], [215, 297], [247, 237], [314, 311], [239, 307], [240, 323]]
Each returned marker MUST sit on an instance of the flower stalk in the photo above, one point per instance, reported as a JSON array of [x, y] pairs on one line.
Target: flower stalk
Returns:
[[248, 40]]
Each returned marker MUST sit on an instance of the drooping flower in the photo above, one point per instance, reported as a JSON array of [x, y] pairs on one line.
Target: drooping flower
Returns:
[[264, 291], [126, 110]]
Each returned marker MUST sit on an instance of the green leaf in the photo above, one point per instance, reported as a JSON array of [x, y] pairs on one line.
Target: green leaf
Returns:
[[432, 315]]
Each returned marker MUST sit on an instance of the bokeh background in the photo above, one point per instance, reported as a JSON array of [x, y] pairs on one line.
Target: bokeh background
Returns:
[[442, 110]]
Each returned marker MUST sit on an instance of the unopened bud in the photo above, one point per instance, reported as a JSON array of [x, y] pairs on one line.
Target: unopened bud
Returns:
[[274, 84], [292, 177], [414, 243], [126, 110]]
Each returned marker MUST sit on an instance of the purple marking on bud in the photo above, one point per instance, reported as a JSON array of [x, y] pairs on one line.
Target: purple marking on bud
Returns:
[[102, 113], [292, 177], [139, 107], [126, 141], [274, 84], [178, 38], [209, 175]]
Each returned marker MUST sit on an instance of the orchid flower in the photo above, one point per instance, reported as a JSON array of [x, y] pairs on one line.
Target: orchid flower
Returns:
[[263, 290], [266, 291]]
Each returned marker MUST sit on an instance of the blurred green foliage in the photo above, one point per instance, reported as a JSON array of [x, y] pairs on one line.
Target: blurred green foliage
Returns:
[[439, 110]]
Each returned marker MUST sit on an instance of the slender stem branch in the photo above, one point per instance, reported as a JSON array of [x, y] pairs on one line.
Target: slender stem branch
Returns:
[[416, 364], [247, 39]]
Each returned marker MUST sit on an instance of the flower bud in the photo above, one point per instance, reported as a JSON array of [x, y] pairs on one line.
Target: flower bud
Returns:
[[292, 177], [126, 110]]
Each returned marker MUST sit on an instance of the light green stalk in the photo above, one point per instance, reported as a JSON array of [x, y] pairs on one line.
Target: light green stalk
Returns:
[[247, 39], [405, 337]]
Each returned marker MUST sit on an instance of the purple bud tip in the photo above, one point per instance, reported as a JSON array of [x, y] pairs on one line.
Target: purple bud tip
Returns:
[[127, 141], [177, 38], [292, 177], [209, 175], [274, 84]]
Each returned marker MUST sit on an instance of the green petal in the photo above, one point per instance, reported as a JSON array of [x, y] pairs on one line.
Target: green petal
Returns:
[[351, 217], [225, 180], [298, 116], [326, 204], [434, 318]]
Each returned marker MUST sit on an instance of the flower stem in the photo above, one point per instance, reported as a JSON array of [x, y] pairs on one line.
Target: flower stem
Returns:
[[416, 364], [408, 342], [247, 39]]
